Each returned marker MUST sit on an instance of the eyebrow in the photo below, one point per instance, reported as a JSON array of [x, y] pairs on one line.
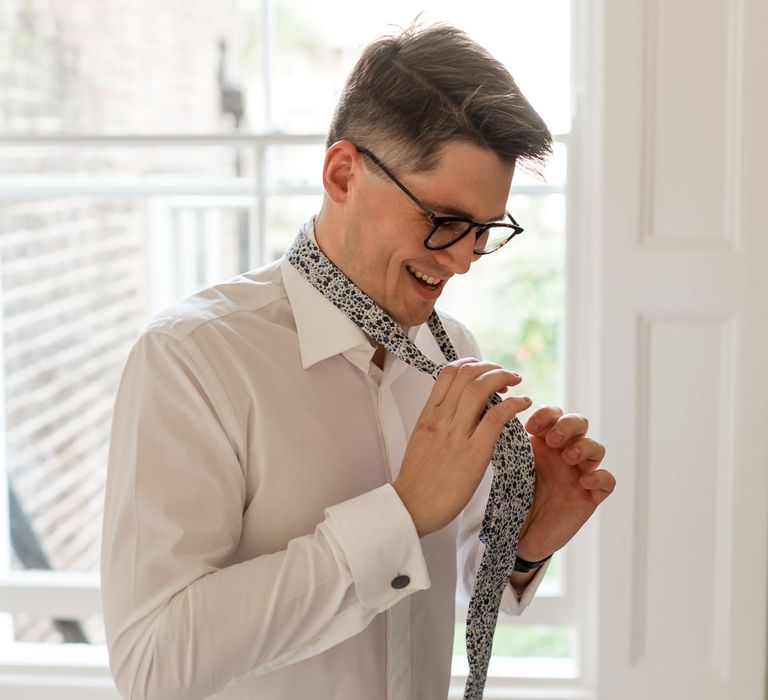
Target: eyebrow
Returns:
[[453, 211]]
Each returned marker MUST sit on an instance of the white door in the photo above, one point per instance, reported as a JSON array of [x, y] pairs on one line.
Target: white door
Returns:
[[676, 189]]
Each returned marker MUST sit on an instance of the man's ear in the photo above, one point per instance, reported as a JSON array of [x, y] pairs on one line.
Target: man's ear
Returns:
[[341, 161]]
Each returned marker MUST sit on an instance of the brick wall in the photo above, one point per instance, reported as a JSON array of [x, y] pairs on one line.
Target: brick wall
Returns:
[[112, 65], [74, 269]]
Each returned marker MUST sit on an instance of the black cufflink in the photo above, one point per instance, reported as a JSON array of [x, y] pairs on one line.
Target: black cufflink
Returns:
[[400, 581]]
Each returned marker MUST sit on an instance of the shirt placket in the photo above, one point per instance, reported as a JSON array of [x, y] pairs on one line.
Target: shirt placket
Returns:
[[393, 442], [399, 653]]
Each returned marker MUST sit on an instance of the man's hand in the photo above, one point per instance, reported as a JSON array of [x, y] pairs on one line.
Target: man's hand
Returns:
[[569, 485], [453, 442]]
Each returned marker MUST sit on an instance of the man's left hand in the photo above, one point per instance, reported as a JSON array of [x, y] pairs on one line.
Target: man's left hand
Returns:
[[569, 484]]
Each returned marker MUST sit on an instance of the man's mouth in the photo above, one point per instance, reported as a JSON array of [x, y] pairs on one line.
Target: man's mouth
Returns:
[[424, 279]]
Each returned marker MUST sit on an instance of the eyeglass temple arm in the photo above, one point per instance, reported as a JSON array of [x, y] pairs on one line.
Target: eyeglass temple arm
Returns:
[[391, 176]]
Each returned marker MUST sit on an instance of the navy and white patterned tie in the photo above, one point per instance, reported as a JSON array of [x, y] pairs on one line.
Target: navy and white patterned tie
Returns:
[[513, 468]]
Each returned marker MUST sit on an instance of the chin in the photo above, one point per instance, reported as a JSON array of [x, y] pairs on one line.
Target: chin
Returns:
[[414, 319], [408, 315]]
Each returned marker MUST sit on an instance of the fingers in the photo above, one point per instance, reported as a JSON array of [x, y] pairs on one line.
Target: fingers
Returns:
[[542, 419], [555, 428], [585, 452], [601, 483], [466, 385], [498, 416], [445, 379], [461, 396], [445, 459], [475, 393]]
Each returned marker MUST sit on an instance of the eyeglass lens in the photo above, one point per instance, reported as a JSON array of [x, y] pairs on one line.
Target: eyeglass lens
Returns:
[[490, 238]]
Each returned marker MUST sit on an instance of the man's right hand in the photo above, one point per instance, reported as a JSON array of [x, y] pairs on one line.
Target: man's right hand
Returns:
[[453, 441]]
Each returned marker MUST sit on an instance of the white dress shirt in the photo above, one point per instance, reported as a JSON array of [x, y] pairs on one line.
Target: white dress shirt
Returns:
[[251, 534]]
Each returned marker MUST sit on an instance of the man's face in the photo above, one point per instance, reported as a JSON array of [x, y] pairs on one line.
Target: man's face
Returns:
[[383, 251]]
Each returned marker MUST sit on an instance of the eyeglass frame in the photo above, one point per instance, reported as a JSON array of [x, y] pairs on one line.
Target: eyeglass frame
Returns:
[[438, 221]]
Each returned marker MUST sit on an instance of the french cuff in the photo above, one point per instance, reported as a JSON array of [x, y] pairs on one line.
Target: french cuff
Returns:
[[381, 545], [513, 603]]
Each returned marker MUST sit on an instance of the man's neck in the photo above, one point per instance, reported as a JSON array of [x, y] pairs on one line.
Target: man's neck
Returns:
[[321, 221], [378, 356]]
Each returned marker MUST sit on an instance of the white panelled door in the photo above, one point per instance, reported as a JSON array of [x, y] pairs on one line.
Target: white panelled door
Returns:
[[680, 205]]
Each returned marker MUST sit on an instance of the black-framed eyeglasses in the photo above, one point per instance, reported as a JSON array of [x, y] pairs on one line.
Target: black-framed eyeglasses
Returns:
[[447, 230]]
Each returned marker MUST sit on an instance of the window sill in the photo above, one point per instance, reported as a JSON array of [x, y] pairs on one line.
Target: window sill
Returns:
[[511, 678], [456, 692], [55, 672]]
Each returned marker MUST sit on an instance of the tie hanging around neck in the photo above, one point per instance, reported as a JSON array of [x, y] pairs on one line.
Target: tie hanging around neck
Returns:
[[514, 478]]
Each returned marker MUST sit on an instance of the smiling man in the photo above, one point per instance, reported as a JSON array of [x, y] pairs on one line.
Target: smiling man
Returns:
[[293, 501]]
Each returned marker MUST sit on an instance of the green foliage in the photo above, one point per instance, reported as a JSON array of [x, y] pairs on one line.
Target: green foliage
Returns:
[[547, 641], [512, 301]]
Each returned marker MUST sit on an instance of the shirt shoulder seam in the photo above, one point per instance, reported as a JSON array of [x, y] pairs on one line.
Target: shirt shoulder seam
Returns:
[[182, 330]]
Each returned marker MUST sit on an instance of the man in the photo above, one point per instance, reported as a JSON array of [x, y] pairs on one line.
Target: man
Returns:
[[291, 508]]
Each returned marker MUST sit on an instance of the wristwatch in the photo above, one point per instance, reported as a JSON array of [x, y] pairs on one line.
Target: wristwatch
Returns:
[[524, 566]]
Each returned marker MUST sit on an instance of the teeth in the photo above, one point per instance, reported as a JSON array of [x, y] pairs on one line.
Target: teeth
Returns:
[[424, 278]]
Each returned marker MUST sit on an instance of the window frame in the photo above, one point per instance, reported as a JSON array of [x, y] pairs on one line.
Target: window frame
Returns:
[[73, 595], [81, 671]]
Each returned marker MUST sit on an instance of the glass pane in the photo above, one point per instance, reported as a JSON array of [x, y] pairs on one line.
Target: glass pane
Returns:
[[553, 583], [88, 70], [512, 300], [284, 217], [82, 272], [92, 243], [295, 186], [511, 639], [524, 651], [317, 44], [514, 638], [295, 169], [134, 67], [553, 174], [44, 630]]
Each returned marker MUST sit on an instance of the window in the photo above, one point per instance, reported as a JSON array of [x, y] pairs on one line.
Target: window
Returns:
[[155, 152]]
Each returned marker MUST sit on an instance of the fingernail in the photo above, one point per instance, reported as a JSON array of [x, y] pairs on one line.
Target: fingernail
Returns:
[[573, 453], [555, 438], [591, 481]]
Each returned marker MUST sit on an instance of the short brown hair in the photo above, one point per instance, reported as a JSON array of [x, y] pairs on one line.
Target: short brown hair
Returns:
[[411, 94]]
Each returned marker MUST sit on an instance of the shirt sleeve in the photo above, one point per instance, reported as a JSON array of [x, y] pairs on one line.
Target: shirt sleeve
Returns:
[[183, 619], [470, 549]]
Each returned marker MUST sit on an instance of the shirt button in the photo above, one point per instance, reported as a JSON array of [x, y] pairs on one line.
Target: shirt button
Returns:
[[401, 581]]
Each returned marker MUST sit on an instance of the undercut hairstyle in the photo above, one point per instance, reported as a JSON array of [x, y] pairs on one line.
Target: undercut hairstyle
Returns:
[[409, 95]]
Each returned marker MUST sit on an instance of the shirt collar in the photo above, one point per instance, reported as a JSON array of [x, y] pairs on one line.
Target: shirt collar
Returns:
[[423, 339], [323, 330]]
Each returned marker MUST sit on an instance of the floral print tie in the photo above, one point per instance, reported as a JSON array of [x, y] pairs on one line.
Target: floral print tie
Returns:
[[513, 467]]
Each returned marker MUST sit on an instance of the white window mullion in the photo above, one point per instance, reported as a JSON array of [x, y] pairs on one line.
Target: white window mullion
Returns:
[[59, 594], [258, 242], [213, 242], [6, 623]]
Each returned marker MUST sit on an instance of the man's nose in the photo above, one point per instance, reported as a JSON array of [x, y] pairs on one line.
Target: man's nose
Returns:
[[458, 257]]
